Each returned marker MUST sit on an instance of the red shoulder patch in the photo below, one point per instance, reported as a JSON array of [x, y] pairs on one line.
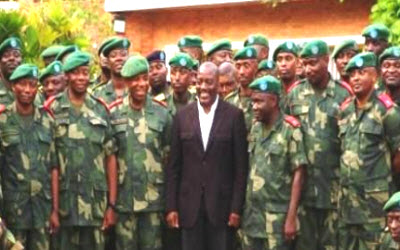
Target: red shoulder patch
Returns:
[[164, 104], [2, 108], [115, 103], [100, 100], [293, 86], [292, 121], [347, 87], [345, 103], [47, 103], [386, 100]]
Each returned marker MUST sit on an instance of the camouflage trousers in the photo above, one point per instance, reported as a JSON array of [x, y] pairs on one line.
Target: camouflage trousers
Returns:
[[32, 239], [139, 231], [274, 240], [318, 229], [362, 236], [81, 237]]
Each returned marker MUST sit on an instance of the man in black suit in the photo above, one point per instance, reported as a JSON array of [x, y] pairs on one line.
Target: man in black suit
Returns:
[[207, 172]]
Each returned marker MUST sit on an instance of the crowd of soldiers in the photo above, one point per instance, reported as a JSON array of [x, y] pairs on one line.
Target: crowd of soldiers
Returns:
[[83, 162]]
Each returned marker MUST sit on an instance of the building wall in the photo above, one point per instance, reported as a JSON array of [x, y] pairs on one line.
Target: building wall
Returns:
[[294, 19]]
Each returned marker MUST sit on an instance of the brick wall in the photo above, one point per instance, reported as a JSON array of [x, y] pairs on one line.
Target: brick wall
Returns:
[[294, 19]]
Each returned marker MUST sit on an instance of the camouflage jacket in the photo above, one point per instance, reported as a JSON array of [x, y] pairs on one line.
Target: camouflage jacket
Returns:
[[244, 103], [143, 140], [318, 115], [29, 154], [106, 92], [369, 138], [172, 105], [387, 242], [83, 140], [6, 95], [273, 159]]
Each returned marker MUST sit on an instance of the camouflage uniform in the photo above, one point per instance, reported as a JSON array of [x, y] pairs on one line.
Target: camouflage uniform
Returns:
[[273, 158], [6, 95], [83, 141], [143, 139], [369, 138], [318, 115], [244, 103], [387, 242], [39, 99], [29, 154], [7, 239], [106, 92], [174, 107]]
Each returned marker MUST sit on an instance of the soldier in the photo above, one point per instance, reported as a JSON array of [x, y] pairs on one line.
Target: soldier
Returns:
[[141, 128], [181, 76], [10, 59], [53, 82], [391, 237], [193, 45], [260, 44], [49, 54], [30, 170], [160, 87], [389, 63], [277, 168], [315, 102], [342, 54], [376, 38], [227, 79], [266, 67], [220, 51], [116, 52], [246, 68], [103, 62], [65, 52], [369, 132], [85, 151]]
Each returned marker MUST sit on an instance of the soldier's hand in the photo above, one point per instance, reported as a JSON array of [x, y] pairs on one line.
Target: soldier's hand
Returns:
[[109, 219], [54, 222], [173, 219], [234, 220], [290, 229]]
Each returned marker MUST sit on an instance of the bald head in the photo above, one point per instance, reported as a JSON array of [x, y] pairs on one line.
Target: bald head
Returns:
[[209, 68], [227, 79]]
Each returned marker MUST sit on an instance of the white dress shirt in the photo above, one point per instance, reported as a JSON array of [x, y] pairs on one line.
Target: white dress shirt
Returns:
[[206, 121]]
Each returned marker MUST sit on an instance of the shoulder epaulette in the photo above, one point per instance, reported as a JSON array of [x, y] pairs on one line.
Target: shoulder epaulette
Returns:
[[386, 100], [115, 103], [293, 86], [345, 103], [160, 97], [164, 104], [292, 121], [47, 104], [347, 87], [2, 108]]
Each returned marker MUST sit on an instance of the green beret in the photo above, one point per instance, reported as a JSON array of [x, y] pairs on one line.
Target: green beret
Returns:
[[116, 43], [181, 59], [256, 39], [66, 50], [377, 31], [190, 41], [11, 42], [24, 71], [266, 84], [75, 60], [266, 65], [135, 65], [246, 53], [288, 46], [53, 69], [361, 60], [222, 44], [393, 203], [104, 44], [314, 48], [391, 52], [51, 51], [345, 45]]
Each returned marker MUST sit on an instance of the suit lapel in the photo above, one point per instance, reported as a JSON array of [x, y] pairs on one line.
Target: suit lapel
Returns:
[[196, 125]]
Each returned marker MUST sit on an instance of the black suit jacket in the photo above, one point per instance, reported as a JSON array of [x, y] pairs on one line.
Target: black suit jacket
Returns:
[[219, 172]]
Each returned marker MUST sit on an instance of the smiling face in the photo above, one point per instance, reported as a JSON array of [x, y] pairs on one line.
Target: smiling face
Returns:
[[78, 79], [393, 223], [116, 59], [207, 84], [390, 71], [9, 61], [25, 90], [264, 104], [52, 85], [342, 59], [138, 87]]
